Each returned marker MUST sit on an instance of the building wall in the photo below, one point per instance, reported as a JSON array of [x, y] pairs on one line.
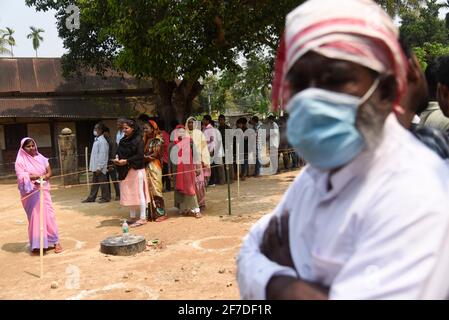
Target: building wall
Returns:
[[2, 145], [112, 125], [65, 124], [40, 132], [46, 133]]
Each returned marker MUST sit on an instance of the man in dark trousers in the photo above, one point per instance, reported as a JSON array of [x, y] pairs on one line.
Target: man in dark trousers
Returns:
[[112, 172], [222, 127], [98, 166]]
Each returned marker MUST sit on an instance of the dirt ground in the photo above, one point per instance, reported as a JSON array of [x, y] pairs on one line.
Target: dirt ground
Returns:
[[196, 260]]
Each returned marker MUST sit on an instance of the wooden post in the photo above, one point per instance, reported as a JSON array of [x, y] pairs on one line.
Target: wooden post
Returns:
[[238, 170], [60, 164], [228, 178], [86, 151], [41, 225]]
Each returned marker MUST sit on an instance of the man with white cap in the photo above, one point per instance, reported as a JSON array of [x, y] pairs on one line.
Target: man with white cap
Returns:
[[368, 217]]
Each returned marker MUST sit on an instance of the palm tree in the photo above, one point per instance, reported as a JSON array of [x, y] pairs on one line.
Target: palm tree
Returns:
[[3, 43], [8, 36], [36, 37]]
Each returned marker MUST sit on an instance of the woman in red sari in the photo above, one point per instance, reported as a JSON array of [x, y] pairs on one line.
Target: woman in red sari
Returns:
[[185, 172]]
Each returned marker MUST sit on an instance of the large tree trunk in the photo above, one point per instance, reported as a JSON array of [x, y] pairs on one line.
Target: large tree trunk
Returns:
[[164, 92], [176, 99]]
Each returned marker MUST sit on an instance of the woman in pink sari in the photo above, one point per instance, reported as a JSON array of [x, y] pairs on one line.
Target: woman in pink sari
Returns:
[[31, 166]]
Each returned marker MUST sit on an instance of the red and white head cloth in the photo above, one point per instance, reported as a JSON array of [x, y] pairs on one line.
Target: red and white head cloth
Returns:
[[358, 31]]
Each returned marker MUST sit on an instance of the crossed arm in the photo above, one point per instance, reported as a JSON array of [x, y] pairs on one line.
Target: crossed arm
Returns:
[[276, 247], [266, 268]]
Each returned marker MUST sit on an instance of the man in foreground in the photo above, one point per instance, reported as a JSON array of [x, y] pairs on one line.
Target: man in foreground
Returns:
[[356, 223]]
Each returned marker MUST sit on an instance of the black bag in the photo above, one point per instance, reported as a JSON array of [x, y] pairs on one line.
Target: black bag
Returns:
[[122, 172]]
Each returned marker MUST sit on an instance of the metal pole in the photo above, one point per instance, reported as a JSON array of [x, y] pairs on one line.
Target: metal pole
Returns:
[[86, 151], [41, 226], [228, 177]]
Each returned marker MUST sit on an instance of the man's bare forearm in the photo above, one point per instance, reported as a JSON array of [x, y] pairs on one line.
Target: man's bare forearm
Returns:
[[288, 288]]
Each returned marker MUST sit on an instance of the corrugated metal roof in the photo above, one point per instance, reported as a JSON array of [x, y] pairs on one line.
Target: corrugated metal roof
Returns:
[[42, 75], [27, 80], [9, 77], [77, 107]]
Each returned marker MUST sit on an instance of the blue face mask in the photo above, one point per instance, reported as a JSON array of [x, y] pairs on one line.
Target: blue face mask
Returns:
[[321, 126]]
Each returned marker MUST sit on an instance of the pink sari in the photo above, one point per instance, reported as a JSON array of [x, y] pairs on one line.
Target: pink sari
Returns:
[[25, 166]]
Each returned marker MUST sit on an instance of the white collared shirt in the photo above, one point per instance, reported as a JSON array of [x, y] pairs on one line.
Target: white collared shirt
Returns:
[[100, 155], [381, 232], [119, 135], [211, 139]]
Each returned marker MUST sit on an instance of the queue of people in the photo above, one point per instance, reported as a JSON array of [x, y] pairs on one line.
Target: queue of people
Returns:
[[137, 162]]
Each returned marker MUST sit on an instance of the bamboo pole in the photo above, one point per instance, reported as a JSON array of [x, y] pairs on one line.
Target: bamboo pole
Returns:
[[86, 152], [228, 178], [60, 164], [238, 170], [41, 225]]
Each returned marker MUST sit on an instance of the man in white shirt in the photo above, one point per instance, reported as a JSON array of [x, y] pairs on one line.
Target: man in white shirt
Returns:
[[368, 217], [120, 133], [257, 125], [214, 145], [99, 166], [273, 137]]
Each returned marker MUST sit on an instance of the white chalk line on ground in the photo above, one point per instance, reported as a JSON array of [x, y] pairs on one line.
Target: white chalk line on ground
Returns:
[[197, 244], [151, 294]]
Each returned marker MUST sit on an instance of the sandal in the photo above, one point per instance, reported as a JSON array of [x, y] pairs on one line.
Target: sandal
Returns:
[[35, 252], [131, 221], [138, 223], [160, 219], [58, 248], [198, 215]]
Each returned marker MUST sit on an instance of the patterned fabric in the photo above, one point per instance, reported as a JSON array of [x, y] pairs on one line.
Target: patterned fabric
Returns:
[[154, 147], [435, 139], [358, 31]]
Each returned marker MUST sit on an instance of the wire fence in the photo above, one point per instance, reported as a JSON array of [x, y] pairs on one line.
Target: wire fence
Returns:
[[229, 178], [7, 168]]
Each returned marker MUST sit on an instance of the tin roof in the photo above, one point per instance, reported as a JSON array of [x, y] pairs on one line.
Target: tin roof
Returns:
[[44, 75], [82, 107]]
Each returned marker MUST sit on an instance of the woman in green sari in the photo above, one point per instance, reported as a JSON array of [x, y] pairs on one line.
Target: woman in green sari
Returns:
[[153, 158]]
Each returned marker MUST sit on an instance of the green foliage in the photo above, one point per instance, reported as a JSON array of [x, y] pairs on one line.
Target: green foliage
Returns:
[[8, 35], [168, 39], [3, 43], [424, 25], [35, 37], [246, 89], [430, 51], [395, 7], [425, 32]]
